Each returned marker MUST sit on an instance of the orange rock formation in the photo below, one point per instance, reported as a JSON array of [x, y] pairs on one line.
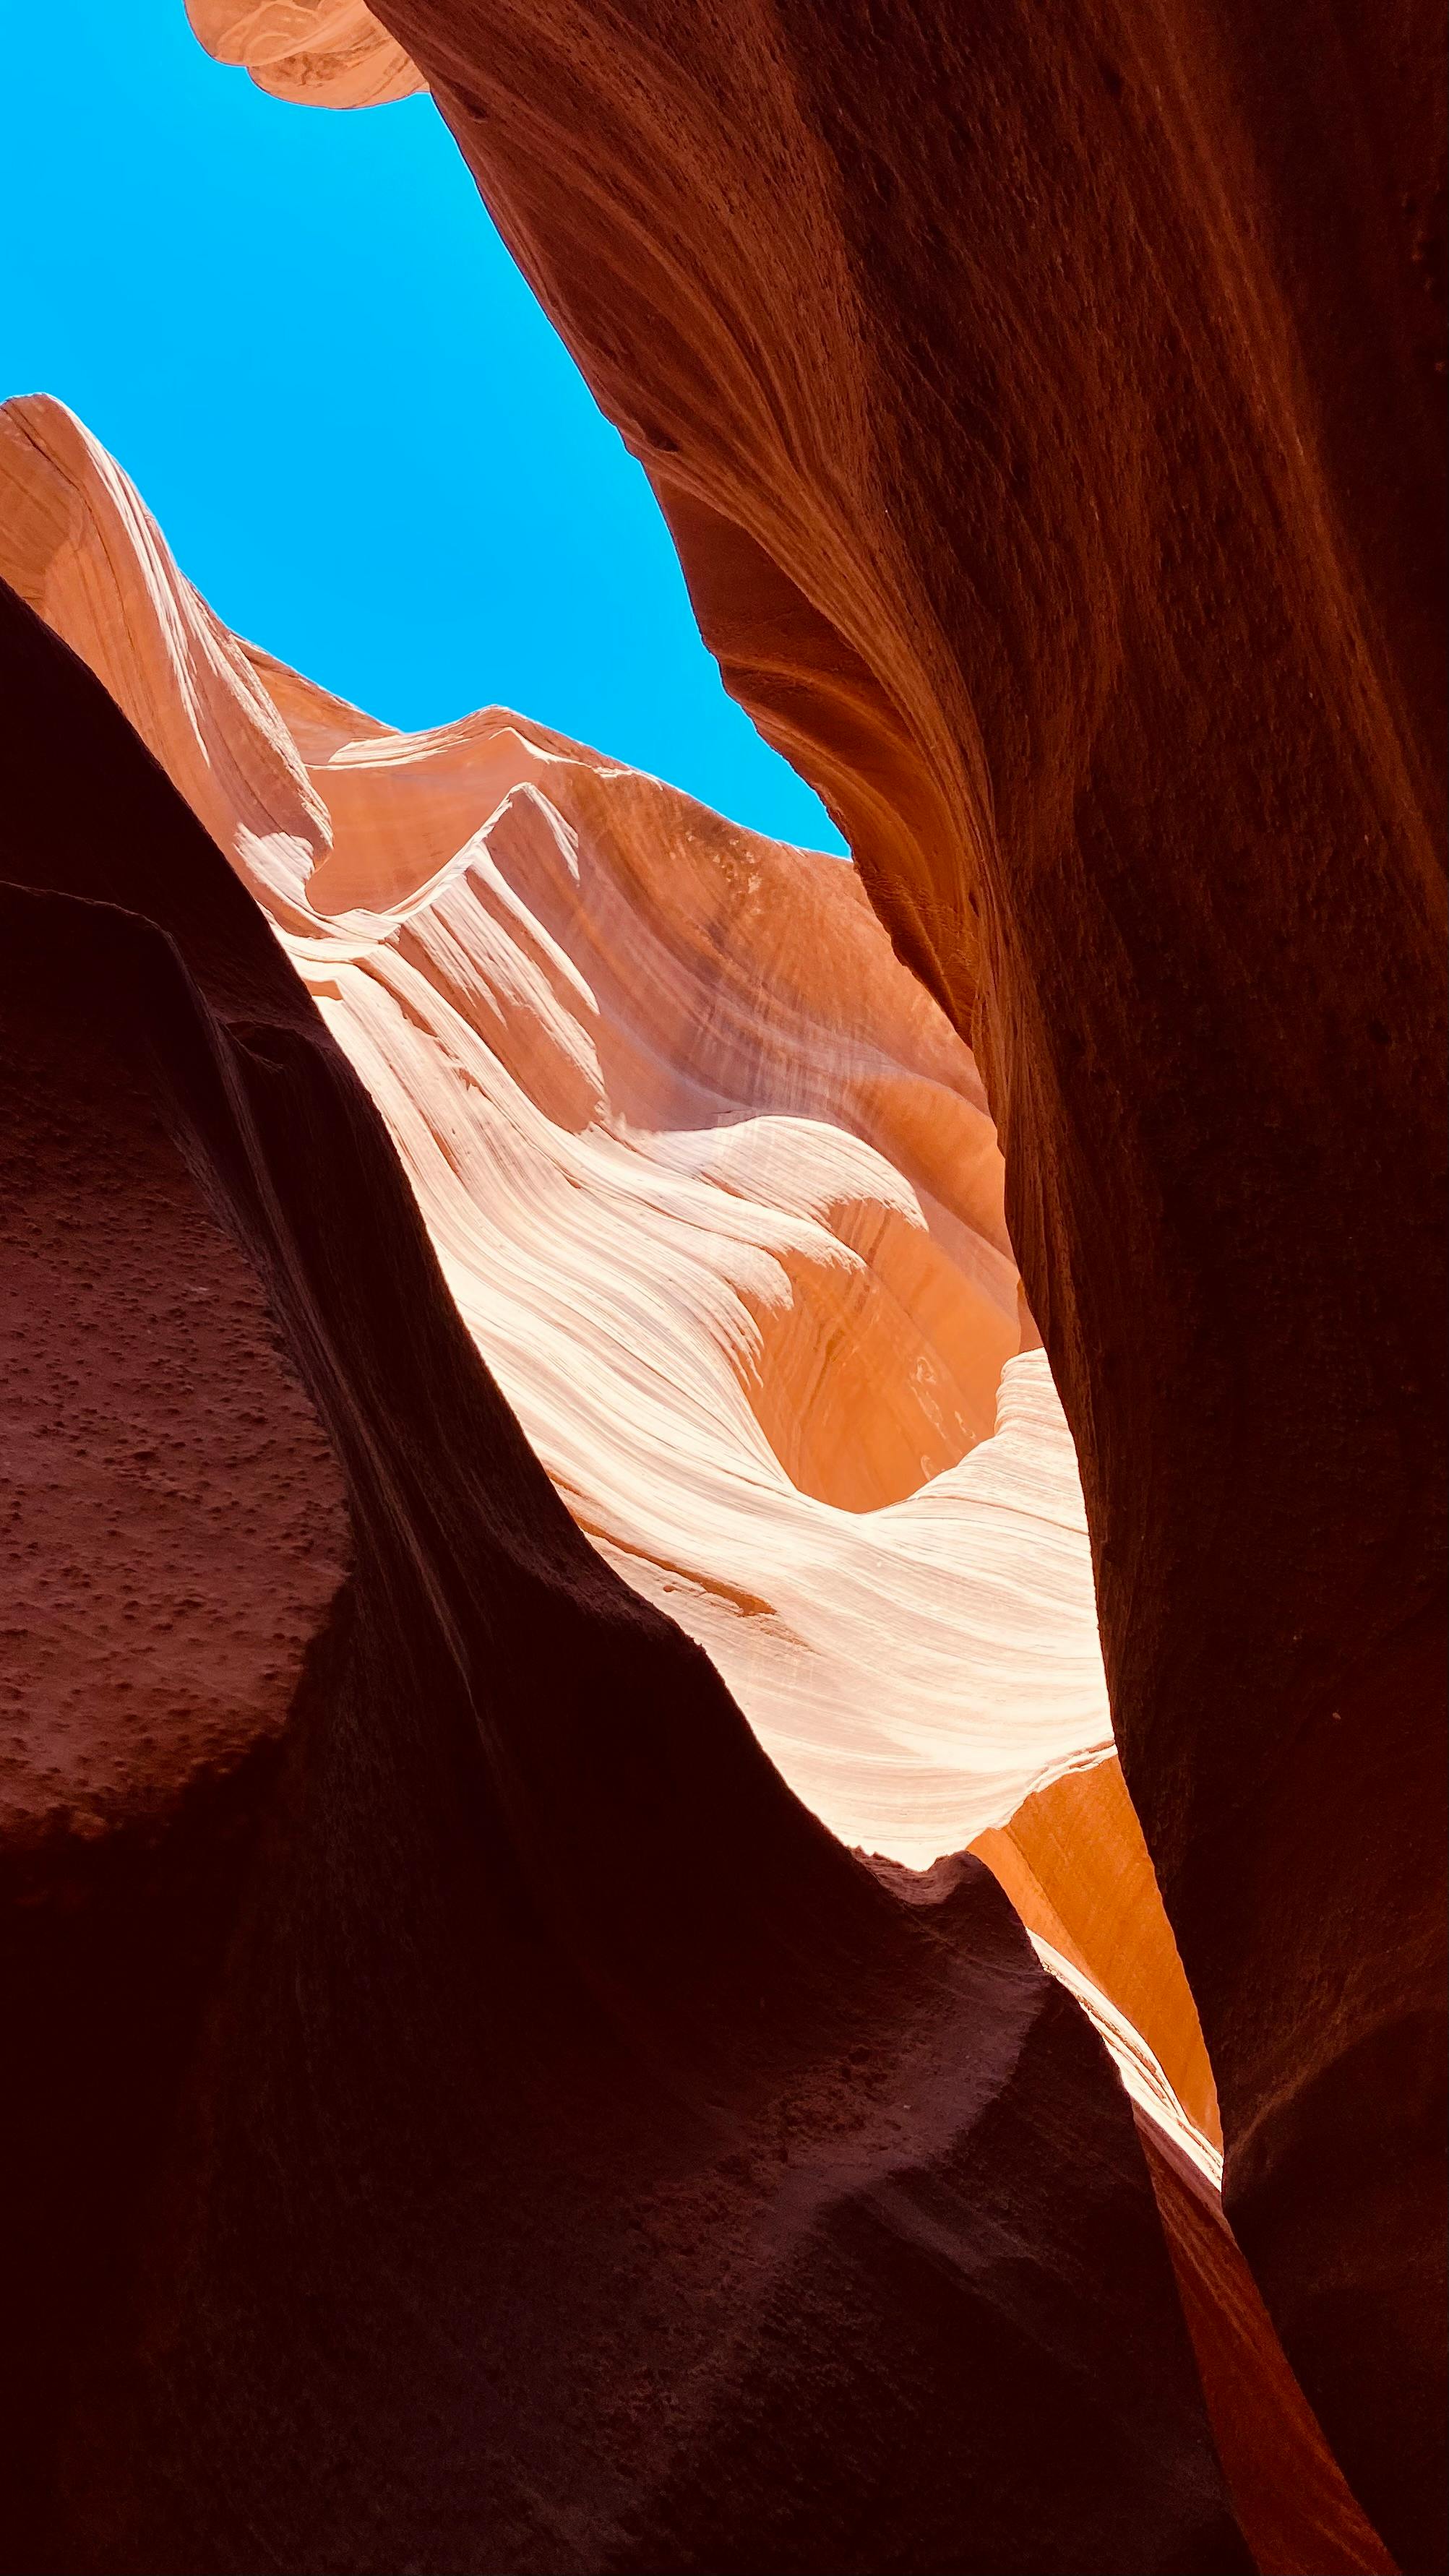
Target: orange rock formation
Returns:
[[529, 2138], [1047, 414], [711, 1179], [490, 2122], [328, 53], [563, 986]]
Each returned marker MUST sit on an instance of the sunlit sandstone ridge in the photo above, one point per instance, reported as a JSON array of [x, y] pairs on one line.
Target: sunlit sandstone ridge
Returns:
[[712, 1182], [677, 1123], [1047, 412], [710, 1176]]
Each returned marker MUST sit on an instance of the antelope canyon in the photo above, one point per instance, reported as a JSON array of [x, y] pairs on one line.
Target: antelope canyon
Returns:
[[722, 1812]]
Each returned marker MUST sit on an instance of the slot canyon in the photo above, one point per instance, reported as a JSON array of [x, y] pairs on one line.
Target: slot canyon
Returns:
[[723, 1810]]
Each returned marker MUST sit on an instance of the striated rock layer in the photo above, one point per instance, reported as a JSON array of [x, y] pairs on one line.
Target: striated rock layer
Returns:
[[496, 2124], [562, 985], [710, 1177], [1046, 412], [712, 1184]]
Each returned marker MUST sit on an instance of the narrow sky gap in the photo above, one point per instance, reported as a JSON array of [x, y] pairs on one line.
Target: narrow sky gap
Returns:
[[302, 337]]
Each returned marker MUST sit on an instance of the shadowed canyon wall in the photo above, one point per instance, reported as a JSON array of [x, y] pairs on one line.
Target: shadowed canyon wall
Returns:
[[485, 2119], [480, 1230], [572, 1009], [1046, 411]]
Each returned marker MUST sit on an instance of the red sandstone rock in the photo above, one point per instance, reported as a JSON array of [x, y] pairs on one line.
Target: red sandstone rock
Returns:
[[1045, 412], [709, 1175], [978, 462], [698, 975], [522, 2135]]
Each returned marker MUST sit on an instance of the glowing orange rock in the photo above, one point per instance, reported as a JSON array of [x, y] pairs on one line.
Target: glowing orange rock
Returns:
[[713, 1184], [1048, 412], [711, 1178], [323, 53]]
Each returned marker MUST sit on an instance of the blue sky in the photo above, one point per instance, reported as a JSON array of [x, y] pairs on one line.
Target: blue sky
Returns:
[[303, 339]]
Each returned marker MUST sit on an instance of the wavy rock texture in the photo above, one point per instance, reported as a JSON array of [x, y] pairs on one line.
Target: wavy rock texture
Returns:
[[554, 1116], [712, 1183], [711, 1179], [504, 2128], [1046, 412]]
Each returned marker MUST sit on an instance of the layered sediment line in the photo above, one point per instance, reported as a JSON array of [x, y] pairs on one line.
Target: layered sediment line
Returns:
[[711, 1179]]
